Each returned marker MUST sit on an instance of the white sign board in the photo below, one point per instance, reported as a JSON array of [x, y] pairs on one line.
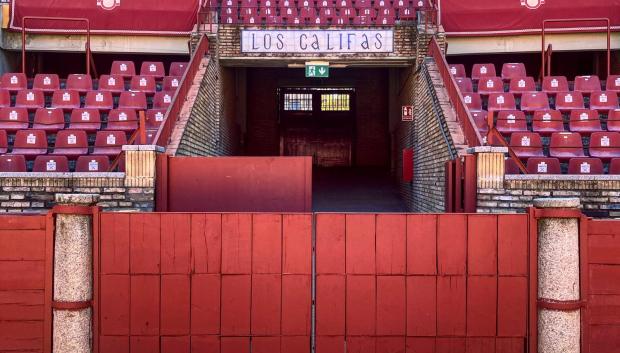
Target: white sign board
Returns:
[[317, 41]]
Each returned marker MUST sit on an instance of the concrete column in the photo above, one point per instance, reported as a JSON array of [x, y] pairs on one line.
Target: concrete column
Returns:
[[559, 328], [73, 277]]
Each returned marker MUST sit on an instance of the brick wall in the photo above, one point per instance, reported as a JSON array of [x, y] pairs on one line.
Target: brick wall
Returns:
[[600, 195]]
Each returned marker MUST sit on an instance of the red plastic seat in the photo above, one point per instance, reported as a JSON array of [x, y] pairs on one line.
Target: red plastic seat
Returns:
[[112, 83], [288, 12], [587, 84], [144, 84], [66, 99], [613, 83], [30, 99], [613, 120], [178, 68], [526, 145], [46, 82], [509, 121], [71, 143], [488, 85], [154, 118], [14, 81], [501, 101], [605, 145], [79, 82], [457, 70], [30, 143], [403, 4], [585, 166], [513, 70], [229, 19], [125, 120], [4, 142], [543, 166], [342, 4], [407, 14], [362, 20], [472, 101], [92, 164], [162, 100], [510, 167], [85, 119], [101, 100], [5, 98], [153, 68], [614, 166], [603, 101], [521, 85], [584, 121], [13, 119], [362, 4], [464, 84], [49, 120], [553, 84], [123, 68], [566, 101], [133, 100], [566, 145], [483, 70], [546, 122], [109, 143], [51, 164], [532, 101], [171, 83], [13, 164]]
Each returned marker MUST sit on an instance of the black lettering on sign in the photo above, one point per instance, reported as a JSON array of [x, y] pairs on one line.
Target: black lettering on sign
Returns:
[[378, 43], [315, 44], [329, 47], [349, 40], [253, 42], [340, 41], [280, 43], [302, 43], [365, 41], [267, 41]]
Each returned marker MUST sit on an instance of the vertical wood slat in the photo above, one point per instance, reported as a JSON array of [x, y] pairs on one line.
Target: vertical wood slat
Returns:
[[140, 166], [490, 170]]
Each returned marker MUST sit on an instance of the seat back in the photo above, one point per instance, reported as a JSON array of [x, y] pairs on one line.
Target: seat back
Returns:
[[14, 81], [30, 139], [613, 120], [457, 70], [501, 101], [134, 100], [490, 85], [162, 100], [526, 144], [79, 82], [13, 119], [85, 118], [587, 84], [123, 68], [613, 83], [472, 101], [153, 68], [566, 145], [71, 139], [584, 120], [532, 101], [614, 166], [605, 145], [479, 71], [99, 99], [154, 118], [112, 83], [547, 121], [30, 99], [109, 143], [49, 119], [585, 166], [509, 121], [541, 165], [46, 82], [513, 70], [92, 164], [143, 84], [51, 164], [522, 84], [555, 84], [66, 99], [13, 164], [568, 100], [171, 83], [604, 100]]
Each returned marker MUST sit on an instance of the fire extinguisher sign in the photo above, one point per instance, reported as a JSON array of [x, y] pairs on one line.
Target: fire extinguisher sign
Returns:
[[407, 113]]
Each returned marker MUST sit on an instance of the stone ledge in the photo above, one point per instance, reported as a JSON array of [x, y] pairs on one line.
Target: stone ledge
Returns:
[[561, 177], [61, 175], [487, 149], [143, 148]]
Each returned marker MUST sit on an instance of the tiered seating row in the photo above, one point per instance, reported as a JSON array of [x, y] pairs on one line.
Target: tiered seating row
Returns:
[[557, 126]]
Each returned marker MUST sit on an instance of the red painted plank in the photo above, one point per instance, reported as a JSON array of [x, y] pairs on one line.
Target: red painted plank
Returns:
[[391, 306], [330, 304], [21, 336], [360, 244], [451, 244], [604, 309], [481, 306], [176, 344], [22, 222], [598, 226], [330, 243], [297, 239], [266, 305], [510, 345], [422, 244], [420, 345], [391, 344], [206, 243], [144, 305], [295, 344], [604, 249], [421, 306], [482, 244], [113, 344], [22, 245], [267, 243], [114, 304], [205, 344], [205, 308], [144, 344], [361, 305], [330, 344], [361, 344], [235, 345], [391, 244], [266, 345], [604, 339], [512, 245], [603, 279], [22, 275], [175, 243], [481, 345], [296, 304], [114, 240], [22, 305], [175, 303], [512, 306], [144, 243], [451, 306], [236, 297], [450, 345], [236, 243]]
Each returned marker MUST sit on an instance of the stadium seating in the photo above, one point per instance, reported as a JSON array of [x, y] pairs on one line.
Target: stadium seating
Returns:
[[587, 84], [46, 82], [92, 164], [13, 163], [66, 99], [14, 81], [101, 100], [566, 145], [51, 164], [613, 83], [585, 166], [509, 121], [521, 85], [79, 82], [109, 143], [123, 120], [488, 85], [4, 142], [71, 143], [584, 121], [482, 70], [614, 166], [512, 71], [50, 120], [13, 119], [605, 145], [112, 83], [552, 84], [613, 120], [544, 166], [30, 143], [125, 69], [30, 99], [546, 122], [526, 145], [85, 119]]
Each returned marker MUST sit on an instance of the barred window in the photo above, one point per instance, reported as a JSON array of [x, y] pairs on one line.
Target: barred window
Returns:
[[335, 102], [298, 101]]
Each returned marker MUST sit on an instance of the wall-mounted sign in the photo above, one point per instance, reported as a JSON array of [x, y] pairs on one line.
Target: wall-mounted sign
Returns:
[[317, 69], [407, 113], [317, 41]]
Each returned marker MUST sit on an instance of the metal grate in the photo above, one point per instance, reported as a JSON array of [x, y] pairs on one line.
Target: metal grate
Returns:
[[335, 102], [298, 101]]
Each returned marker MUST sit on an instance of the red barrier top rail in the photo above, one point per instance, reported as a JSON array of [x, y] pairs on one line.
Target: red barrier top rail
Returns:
[[162, 138], [472, 135]]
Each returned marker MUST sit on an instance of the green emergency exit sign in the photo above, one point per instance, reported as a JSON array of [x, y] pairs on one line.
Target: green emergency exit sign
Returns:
[[317, 69]]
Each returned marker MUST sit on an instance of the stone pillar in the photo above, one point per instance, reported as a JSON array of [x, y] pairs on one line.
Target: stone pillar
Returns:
[[140, 170], [490, 166], [73, 276], [559, 316]]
